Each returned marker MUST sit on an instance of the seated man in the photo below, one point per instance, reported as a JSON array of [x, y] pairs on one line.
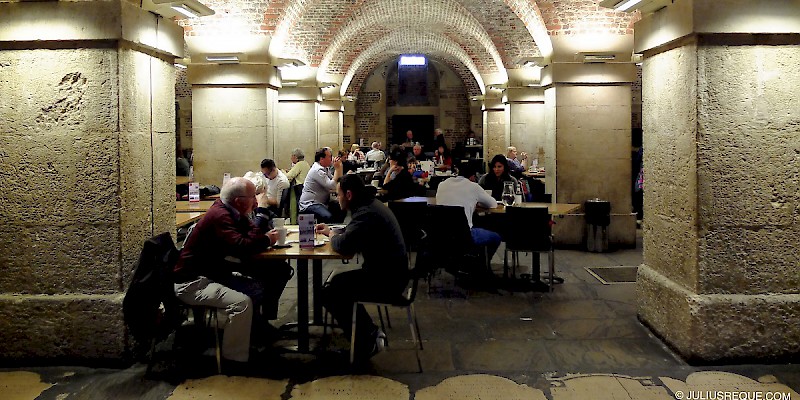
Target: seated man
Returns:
[[375, 233], [516, 165], [204, 272], [463, 191], [319, 184], [418, 154], [376, 154], [276, 183]]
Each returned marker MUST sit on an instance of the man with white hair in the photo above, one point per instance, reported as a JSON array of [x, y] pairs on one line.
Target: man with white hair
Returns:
[[224, 241], [376, 154]]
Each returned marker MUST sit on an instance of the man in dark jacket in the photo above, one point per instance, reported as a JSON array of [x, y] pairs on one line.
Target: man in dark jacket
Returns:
[[222, 242], [375, 233]]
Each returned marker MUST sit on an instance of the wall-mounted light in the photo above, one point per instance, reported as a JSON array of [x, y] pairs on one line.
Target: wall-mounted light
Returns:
[[328, 85], [496, 86], [530, 62], [289, 63], [177, 8], [595, 57], [350, 98], [289, 84], [476, 98], [225, 58], [645, 6]]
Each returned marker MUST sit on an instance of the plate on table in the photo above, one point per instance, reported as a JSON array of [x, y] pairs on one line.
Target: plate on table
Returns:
[[318, 243]]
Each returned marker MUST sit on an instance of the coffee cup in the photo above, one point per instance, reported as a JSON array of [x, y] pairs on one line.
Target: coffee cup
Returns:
[[375, 182], [281, 236]]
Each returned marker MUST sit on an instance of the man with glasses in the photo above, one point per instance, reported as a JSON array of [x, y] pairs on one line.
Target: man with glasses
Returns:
[[224, 241], [276, 183], [319, 184]]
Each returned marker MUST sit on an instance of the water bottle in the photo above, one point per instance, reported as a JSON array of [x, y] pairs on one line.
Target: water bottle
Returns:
[[518, 194]]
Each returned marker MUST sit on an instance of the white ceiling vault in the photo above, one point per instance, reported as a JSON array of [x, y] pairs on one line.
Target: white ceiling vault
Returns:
[[342, 41]]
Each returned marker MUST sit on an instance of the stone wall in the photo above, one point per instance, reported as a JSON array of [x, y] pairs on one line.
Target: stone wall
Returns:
[[721, 195], [87, 139]]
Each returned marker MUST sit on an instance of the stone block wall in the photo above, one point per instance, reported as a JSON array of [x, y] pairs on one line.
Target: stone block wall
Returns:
[[86, 156]]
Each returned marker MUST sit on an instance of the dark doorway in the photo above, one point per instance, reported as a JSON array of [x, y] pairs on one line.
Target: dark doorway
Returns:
[[421, 125]]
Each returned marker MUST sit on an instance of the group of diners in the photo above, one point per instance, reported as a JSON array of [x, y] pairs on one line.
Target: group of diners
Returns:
[[219, 266]]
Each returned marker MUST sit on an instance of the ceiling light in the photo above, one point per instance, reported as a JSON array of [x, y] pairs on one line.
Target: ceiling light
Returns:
[[595, 57], [328, 85], [530, 62], [413, 60], [180, 66], [289, 84], [289, 63], [177, 8], [185, 10]]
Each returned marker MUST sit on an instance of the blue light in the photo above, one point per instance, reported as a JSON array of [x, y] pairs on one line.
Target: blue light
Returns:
[[413, 60]]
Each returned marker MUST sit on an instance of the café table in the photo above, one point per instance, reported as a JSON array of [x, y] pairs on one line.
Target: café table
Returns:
[[186, 218], [552, 208], [182, 206], [322, 251]]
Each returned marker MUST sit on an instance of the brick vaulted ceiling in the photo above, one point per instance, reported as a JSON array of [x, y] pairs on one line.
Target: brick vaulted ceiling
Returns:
[[350, 37]]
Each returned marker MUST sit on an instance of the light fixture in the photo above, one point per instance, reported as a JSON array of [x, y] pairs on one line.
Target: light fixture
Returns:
[[413, 60], [177, 8], [476, 98], [289, 84], [179, 66], [289, 63], [328, 85], [530, 62], [350, 98], [496, 86], [645, 6], [595, 57], [224, 58]]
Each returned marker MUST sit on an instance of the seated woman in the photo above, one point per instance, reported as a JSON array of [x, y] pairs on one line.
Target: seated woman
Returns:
[[356, 156], [398, 182], [497, 177], [443, 160]]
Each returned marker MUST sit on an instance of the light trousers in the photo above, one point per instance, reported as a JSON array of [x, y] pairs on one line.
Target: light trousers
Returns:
[[237, 306]]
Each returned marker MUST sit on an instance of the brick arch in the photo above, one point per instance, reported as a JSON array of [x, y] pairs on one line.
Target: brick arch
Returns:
[[578, 17], [530, 14], [379, 17], [391, 45]]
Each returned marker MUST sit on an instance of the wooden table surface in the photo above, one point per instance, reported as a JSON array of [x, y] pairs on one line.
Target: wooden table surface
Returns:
[[186, 218], [183, 206], [552, 208], [181, 180]]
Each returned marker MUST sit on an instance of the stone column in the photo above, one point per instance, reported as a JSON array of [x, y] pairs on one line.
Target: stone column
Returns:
[[526, 116], [721, 273], [588, 144], [331, 123], [87, 154], [495, 127], [298, 125], [232, 105]]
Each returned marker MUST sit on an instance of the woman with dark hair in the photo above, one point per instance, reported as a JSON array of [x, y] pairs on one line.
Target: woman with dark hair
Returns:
[[443, 159], [397, 181], [497, 176]]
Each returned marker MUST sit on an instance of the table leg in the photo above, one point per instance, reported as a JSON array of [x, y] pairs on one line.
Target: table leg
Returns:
[[302, 305], [316, 277]]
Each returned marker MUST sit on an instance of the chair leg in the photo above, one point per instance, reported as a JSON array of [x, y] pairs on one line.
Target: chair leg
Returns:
[[505, 263], [551, 261], [388, 321], [380, 317], [218, 352], [414, 333], [151, 356], [353, 335]]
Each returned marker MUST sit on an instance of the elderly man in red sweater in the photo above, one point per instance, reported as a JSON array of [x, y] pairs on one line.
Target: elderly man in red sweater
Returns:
[[223, 242]]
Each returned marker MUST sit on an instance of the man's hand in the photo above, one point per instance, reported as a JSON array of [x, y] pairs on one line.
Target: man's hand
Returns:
[[273, 236], [523, 155], [337, 163], [323, 229]]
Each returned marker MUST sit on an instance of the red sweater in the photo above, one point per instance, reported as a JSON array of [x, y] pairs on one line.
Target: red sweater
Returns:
[[220, 233]]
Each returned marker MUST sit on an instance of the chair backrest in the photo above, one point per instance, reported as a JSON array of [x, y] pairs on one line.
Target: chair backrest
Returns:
[[448, 236], [298, 191], [284, 208], [410, 216], [150, 287], [527, 228]]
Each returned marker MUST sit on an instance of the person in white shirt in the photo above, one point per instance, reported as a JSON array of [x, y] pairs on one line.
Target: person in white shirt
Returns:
[[376, 154], [463, 191], [319, 184], [276, 182]]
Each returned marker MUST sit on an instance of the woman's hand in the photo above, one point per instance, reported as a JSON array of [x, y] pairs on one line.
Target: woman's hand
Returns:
[[262, 200], [273, 236]]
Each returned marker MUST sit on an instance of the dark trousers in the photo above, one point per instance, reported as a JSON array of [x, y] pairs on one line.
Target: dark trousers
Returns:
[[346, 288], [267, 280]]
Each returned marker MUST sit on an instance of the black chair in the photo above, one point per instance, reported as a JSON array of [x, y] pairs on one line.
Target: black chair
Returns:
[[448, 244], [284, 207], [404, 301], [528, 229], [297, 190], [410, 216], [151, 310]]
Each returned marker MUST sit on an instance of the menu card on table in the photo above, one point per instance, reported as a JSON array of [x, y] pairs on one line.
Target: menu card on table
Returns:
[[225, 178], [194, 191], [306, 223]]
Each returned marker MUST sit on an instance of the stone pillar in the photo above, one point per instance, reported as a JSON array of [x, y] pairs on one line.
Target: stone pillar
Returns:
[[232, 118], [588, 144], [87, 154], [495, 128], [331, 123], [721, 273], [526, 120], [298, 108]]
